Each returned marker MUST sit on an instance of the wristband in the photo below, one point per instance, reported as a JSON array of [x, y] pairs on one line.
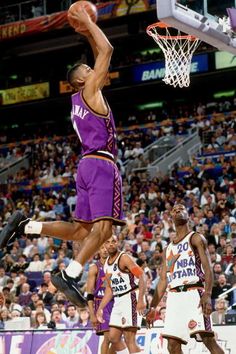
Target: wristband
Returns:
[[90, 297]]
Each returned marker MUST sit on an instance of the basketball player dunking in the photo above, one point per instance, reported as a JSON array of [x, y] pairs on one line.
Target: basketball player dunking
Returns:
[[99, 197], [187, 276]]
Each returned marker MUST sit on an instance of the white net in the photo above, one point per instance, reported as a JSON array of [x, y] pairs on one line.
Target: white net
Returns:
[[178, 51]]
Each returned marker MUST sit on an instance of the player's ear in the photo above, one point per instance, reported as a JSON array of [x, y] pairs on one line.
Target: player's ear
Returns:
[[78, 83]]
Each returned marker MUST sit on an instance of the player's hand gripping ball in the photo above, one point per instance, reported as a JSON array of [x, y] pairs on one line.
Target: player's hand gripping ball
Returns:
[[77, 17]]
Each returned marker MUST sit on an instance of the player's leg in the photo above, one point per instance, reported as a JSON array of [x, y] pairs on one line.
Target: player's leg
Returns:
[[106, 346], [65, 281], [130, 340], [101, 232], [212, 345], [174, 346], [115, 335], [75, 231], [19, 224]]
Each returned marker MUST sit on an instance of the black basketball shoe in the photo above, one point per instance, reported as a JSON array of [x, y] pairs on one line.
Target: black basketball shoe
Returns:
[[13, 229], [69, 287]]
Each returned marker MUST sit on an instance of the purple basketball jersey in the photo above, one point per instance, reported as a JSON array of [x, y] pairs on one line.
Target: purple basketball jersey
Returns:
[[98, 295], [96, 131]]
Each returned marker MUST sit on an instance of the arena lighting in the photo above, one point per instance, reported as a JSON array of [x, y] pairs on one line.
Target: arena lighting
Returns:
[[151, 51], [150, 105], [13, 77], [224, 94]]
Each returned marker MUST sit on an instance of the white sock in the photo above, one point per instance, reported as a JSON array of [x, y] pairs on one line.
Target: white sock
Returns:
[[34, 227], [74, 269], [124, 351]]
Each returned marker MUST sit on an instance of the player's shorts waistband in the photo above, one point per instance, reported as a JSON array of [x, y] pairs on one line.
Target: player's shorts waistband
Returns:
[[101, 154], [127, 292], [187, 287]]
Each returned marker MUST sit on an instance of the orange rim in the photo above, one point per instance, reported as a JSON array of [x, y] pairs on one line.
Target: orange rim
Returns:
[[164, 25]]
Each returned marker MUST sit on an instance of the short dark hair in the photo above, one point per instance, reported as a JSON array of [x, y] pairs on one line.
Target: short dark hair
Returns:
[[71, 72], [44, 284], [71, 305]]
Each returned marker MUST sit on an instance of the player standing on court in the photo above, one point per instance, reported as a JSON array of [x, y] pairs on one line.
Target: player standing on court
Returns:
[[122, 274], [99, 197], [96, 289], [186, 275]]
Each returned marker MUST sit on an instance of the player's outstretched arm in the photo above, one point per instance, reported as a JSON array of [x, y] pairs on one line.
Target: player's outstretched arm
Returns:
[[199, 242], [106, 299]]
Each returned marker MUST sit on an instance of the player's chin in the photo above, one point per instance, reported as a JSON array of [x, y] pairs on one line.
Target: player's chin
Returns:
[[180, 221]]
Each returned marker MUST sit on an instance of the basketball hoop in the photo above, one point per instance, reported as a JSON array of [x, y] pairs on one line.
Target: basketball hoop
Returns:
[[178, 51]]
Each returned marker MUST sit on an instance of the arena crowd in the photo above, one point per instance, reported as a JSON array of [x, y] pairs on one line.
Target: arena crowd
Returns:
[[46, 191]]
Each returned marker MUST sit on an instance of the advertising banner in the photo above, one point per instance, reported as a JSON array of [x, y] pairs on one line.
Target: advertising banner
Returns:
[[34, 25], [156, 71], [87, 342], [49, 342], [224, 60], [59, 20], [151, 341], [24, 93]]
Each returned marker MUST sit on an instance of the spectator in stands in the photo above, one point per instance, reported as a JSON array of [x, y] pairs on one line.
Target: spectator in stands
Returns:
[[220, 287], [221, 249], [7, 262], [218, 316], [214, 145], [211, 219], [28, 247], [48, 264], [145, 247], [212, 251], [56, 317], [7, 294], [67, 251], [33, 301], [232, 273], [73, 316], [228, 256], [36, 265], [11, 286], [47, 280], [156, 258], [3, 278], [15, 253], [40, 320], [25, 295], [84, 319], [42, 244], [15, 313], [137, 247], [161, 317], [61, 257], [4, 316], [45, 295], [137, 150], [41, 308], [217, 270]]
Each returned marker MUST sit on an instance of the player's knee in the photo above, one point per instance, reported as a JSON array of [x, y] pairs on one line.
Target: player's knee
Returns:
[[114, 339], [174, 346]]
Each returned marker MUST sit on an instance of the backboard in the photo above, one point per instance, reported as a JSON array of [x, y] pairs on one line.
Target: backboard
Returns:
[[205, 19]]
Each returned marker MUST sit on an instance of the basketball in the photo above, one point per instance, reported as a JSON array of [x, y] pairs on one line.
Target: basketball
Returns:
[[90, 9]]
